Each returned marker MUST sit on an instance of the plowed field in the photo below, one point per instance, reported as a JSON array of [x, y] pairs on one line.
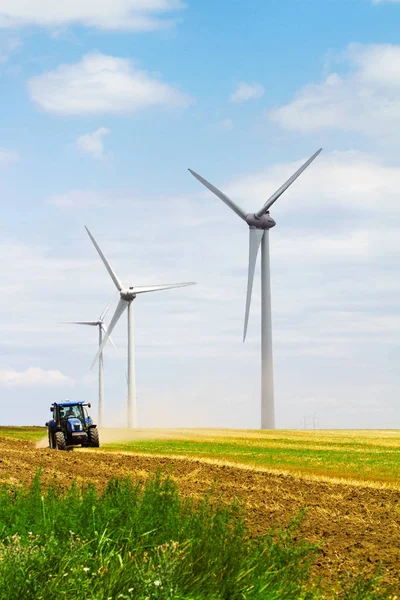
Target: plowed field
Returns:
[[358, 525]]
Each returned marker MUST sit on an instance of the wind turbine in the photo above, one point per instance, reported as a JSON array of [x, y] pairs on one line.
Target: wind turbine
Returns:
[[102, 329], [259, 224], [127, 296]]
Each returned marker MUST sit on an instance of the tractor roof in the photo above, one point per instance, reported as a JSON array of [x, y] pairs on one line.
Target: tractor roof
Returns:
[[79, 402]]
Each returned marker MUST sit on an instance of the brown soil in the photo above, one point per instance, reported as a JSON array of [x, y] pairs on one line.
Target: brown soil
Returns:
[[358, 526]]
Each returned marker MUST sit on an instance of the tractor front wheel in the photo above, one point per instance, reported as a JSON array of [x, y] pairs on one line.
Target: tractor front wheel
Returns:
[[60, 441], [93, 438]]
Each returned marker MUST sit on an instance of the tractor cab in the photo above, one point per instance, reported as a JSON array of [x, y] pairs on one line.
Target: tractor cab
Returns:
[[71, 426]]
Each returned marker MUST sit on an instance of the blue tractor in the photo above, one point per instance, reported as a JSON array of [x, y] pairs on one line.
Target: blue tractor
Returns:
[[71, 426]]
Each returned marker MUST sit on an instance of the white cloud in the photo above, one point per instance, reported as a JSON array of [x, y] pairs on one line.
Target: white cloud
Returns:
[[8, 157], [78, 199], [33, 377], [365, 100], [314, 248], [7, 46], [335, 181], [92, 143], [128, 15], [247, 91], [102, 84]]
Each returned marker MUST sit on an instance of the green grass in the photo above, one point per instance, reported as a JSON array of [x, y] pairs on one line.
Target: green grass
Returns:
[[373, 456], [30, 434], [144, 542]]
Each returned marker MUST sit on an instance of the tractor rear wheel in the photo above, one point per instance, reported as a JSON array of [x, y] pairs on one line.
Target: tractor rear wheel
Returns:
[[60, 441], [93, 438]]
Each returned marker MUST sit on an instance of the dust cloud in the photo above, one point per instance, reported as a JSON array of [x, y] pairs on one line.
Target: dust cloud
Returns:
[[43, 443], [120, 435]]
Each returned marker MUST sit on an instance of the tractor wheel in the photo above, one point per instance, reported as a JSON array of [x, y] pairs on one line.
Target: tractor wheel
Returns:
[[60, 441], [50, 436], [93, 438]]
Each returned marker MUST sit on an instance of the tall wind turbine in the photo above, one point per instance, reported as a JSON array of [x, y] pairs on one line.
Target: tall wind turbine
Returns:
[[127, 296], [259, 224], [102, 329]]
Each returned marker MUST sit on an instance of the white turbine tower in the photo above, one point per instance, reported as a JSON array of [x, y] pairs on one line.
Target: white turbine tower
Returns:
[[127, 296], [259, 224], [102, 329]]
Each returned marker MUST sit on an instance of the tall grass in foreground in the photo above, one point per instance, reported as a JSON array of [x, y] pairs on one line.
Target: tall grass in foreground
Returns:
[[142, 541]]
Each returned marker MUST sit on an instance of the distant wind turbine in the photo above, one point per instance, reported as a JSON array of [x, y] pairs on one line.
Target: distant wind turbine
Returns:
[[259, 223], [127, 296], [102, 329]]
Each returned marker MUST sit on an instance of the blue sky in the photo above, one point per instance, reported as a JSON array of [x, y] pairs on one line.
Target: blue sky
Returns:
[[104, 107]]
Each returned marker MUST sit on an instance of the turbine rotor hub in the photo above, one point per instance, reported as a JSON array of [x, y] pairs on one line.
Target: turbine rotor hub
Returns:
[[127, 294], [263, 222]]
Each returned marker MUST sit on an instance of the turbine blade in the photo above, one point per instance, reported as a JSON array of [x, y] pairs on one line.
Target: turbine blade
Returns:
[[256, 236], [106, 263], [285, 186], [121, 307], [157, 288], [105, 311], [78, 322], [239, 211], [104, 329]]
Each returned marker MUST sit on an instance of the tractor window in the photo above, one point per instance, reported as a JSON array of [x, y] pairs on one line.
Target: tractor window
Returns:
[[70, 412]]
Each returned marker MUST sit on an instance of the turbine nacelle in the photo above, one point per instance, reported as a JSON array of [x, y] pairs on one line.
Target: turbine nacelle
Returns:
[[263, 222], [128, 294]]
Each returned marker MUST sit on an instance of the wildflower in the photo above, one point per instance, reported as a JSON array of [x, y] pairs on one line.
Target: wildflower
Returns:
[[157, 582], [130, 590], [30, 533], [86, 569]]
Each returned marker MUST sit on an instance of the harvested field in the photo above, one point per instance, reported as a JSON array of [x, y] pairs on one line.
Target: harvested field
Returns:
[[358, 525]]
